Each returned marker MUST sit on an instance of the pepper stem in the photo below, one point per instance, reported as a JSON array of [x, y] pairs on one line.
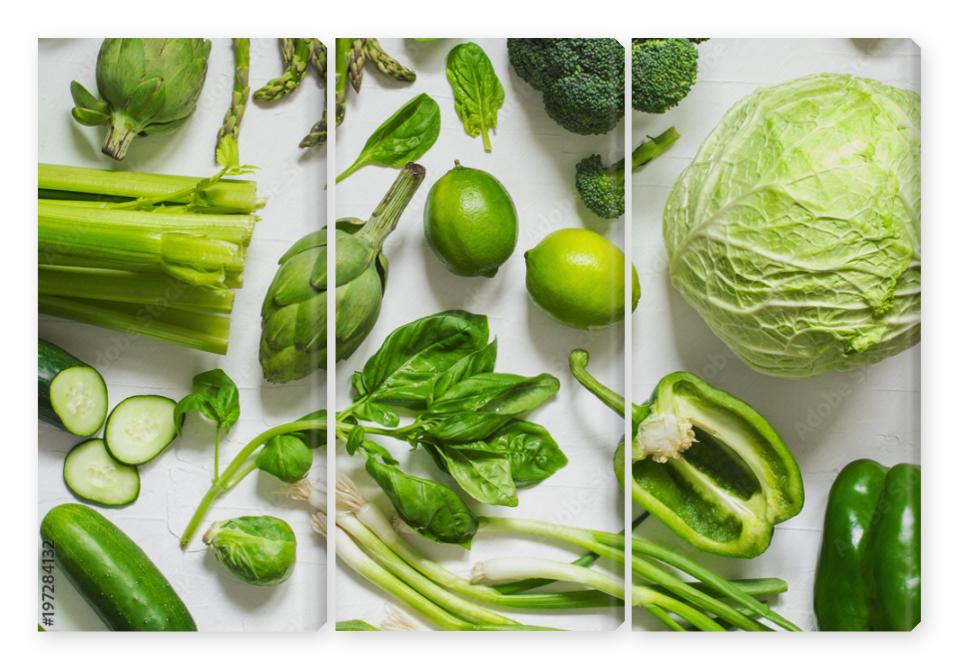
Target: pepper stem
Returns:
[[578, 362], [387, 214]]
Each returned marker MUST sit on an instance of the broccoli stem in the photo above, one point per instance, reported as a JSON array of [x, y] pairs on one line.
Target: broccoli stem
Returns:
[[653, 147]]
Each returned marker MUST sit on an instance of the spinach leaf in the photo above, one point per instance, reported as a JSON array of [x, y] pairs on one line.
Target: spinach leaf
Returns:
[[286, 457], [534, 455], [478, 93], [477, 406], [214, 397], [404, 137], [430, 508], [403, 371], [483, 474]]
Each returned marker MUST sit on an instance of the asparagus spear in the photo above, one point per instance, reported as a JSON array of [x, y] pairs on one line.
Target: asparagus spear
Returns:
[[317, 134], [342, 50], [286, 51], [240, 93], [386, 63], [355, 62], [318, 58], [292, 76]]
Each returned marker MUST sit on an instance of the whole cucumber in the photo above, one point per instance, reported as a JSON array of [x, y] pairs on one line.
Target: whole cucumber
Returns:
[[112, 573]]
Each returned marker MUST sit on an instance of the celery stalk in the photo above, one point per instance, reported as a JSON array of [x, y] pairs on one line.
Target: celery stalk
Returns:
[[132, 287], [235, 228], [193, 329], [234, 195], [193, 258]]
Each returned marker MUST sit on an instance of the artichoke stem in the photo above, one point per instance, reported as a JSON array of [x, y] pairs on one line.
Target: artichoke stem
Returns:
[[388, 212], [119, 137]]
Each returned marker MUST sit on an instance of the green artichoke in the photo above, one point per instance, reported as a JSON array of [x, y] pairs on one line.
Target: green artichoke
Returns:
[[294, 314], [147, 87]]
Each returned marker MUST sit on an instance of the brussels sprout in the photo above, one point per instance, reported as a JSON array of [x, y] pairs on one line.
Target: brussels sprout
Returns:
[[286, 457], [259, 550]]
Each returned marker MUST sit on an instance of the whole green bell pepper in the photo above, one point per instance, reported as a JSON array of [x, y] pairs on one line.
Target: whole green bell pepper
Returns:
[[869, 570], [706, 464]]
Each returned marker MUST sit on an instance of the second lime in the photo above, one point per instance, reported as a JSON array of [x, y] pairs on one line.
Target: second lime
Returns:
[[577, 276], [470, 222]]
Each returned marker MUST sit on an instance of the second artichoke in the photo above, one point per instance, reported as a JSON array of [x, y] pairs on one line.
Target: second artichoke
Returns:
[[294, 312]]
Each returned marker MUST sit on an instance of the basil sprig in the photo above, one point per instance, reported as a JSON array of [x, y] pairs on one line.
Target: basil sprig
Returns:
[[467, 416]]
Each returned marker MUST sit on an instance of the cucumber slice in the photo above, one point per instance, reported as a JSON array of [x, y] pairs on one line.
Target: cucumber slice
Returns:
[[139, 428], [70, 394], [92, 474], [79, 397]]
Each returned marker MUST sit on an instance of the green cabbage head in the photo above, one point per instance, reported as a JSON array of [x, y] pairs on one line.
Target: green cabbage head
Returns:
[[795, 232]]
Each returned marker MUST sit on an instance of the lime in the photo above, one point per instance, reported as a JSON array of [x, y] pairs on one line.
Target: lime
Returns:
[[470, 222], [577, 276]]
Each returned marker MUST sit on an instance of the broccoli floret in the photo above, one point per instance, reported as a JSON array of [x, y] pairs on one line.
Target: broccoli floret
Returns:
[[529, 57], [602, 188], [585, 103], [582, 79], [663, 72]]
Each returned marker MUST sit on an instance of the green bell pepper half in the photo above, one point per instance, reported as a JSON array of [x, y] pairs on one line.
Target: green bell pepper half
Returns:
[[869, 569], [705, 463]]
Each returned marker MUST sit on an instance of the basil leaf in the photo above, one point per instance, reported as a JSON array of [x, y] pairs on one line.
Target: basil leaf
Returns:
[[286, 457], [477, 406], [485, 476], [317, 437], [468, 366], [402, 138], [354, 440], [430, 508], [372, 411], [214, 396], [403, 371], [478, 93], [357, 440], [534, 455]]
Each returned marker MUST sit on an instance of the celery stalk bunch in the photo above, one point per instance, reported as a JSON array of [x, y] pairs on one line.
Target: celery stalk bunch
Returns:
[[155, 255]]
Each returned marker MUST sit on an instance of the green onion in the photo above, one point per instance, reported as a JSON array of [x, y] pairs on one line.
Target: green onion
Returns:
[[396, 565], [512, 569], [659, 591], [382, 530]]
